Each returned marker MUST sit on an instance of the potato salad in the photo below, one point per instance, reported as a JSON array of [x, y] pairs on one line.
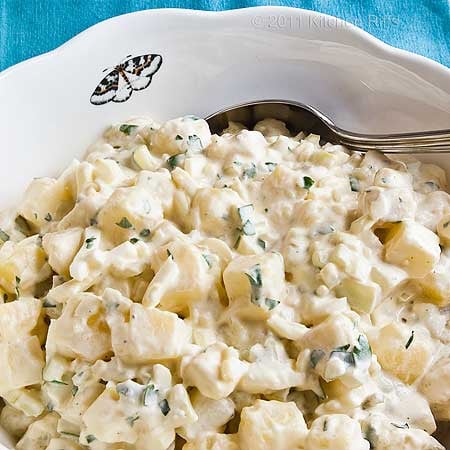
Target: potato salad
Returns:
[[253, 290]]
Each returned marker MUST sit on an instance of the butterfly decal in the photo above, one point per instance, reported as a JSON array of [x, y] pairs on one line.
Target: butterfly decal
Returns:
[[133, 74]]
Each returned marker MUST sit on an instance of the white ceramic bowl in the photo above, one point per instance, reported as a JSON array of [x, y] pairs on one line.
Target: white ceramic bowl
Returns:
[[210, 60]]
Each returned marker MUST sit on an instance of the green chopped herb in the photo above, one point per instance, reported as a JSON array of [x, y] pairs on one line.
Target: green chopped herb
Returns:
[[208, 260], [169, 254], [238, 241], [446, 224], [175, 160], [255, 279], [270, 166], [250, 172], [403, 426], [67, 433], [23, 226], [191, 117], [4, 236], [148, 393], [127, 128], [124, 223], [49, 406], [346, 357], [342, 348], [271, 303], [164, 407], [248, 228], [245, 214], [354, 184], [144, 233], [178, 137], [261, 243], [90, 438], [308, 182], [90, 242], [47, 304], [237, 163], [195, 143], [325, 425], [122, 389], [132, 419], [74, 390], [57, 382], [134, 240], [315, 356], [266, 209], [410, 340], [5, 297], [48, 217], [362, 350]]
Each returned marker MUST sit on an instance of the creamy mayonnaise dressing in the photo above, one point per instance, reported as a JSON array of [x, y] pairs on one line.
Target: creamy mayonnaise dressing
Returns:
[[253, 290]]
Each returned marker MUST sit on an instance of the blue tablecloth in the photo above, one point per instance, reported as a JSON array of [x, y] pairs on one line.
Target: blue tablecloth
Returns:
[[31, 27]]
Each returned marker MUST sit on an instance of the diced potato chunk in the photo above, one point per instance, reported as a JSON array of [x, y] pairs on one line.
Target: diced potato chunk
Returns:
[[435, 385], [141, 334], [61, 247], [335, 432], [255, 283], [436, 284], [361, 296], [214, 441], [21, 362], [413, 247], [269, 425], [215, 372], [19, 317], [39, 433], [404, 352], [212, 416]]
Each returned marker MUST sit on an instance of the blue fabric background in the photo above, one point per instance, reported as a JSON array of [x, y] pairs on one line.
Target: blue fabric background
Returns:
[[31, 27]]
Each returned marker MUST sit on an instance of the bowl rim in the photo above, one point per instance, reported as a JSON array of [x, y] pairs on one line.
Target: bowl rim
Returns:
[[370, 41]]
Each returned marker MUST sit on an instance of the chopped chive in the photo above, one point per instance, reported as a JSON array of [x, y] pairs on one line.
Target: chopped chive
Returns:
[[169, 254], [132, 419], [90, 242], [90, 438], [271, 303], [57, 382], [74, 390], [354, 184], [250, 172], [48, 217], [124, 223], [238, 241], [194, 142], [403, 426], [122, 389], [144, 233], [4, 236], [67, 433], [261, 243], [270, 166], [164, 407], [178, 137], [134, 240], [127, 128], [308, 182], [149, 392], [410, 340], [362, 350], [17, 286], [208, 260], [175, 160]]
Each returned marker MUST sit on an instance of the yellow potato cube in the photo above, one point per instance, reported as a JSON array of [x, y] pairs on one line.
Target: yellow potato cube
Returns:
[[413, 247], [404, 352]]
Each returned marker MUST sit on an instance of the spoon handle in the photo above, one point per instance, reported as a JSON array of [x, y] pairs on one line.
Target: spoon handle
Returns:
[[437, 141]]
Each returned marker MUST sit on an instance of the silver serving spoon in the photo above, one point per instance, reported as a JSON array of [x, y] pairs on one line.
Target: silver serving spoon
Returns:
[[300, 117]]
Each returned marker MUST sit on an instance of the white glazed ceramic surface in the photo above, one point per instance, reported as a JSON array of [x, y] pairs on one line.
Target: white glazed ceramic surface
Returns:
[[210, 60]]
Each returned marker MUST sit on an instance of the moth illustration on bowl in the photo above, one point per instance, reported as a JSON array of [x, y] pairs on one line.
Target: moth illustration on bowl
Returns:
[[133, 74]]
